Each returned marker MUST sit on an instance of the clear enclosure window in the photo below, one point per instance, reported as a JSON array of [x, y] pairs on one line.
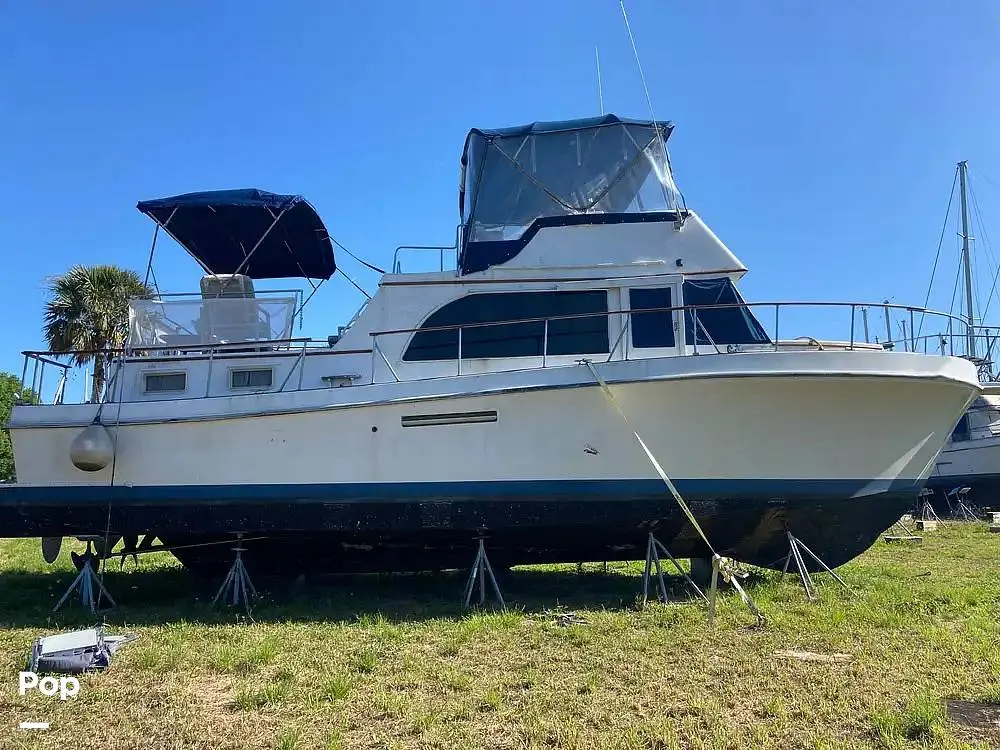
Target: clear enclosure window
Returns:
[[511, 180]]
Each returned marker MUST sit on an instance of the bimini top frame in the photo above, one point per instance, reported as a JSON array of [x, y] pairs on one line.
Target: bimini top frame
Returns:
[[250, 232]]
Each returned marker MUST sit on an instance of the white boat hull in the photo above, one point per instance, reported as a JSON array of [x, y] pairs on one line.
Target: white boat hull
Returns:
[[751, 440]]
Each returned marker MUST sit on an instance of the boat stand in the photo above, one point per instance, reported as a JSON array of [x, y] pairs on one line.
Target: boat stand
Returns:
[[962, 511], [87, 580], [901, 524], [481, 568], [926, 509], [653, 549], [795, 550], [237, 585]]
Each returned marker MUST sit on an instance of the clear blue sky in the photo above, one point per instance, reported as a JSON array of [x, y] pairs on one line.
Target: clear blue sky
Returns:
[[818, 139]]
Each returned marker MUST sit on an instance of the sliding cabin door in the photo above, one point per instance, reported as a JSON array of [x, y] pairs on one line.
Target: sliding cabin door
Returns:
[[654, 330]]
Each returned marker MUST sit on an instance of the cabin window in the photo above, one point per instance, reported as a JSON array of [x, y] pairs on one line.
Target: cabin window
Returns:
[[961, 431], [732, 324], [651, 329], [251, 378], [165, 382], [587, 334]]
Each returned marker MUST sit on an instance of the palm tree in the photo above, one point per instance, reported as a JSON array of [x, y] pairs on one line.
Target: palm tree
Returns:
[[86, 315]]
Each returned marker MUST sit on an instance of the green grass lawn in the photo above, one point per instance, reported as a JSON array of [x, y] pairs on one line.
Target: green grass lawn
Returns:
[[395, 662]]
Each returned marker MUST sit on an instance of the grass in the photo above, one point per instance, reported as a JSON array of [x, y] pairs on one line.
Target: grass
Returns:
[[395, 662]]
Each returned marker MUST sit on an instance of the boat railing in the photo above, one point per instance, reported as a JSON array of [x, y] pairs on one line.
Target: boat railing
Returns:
[[857, 339], [703, 343], [31, 393], [978, 343], [35, 362], [447, 254]]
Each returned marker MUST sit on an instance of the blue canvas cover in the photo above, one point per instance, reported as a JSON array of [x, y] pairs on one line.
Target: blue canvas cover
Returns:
[[730, 323], [595, 170], [221, 228]]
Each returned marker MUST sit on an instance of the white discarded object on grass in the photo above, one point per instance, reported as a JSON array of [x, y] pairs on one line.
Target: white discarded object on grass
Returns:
[[76, 652]]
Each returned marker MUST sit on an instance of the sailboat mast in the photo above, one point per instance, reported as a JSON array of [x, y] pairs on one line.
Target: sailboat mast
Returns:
[[966, 259]]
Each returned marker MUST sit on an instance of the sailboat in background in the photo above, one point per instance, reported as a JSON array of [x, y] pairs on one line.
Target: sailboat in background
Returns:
[[966, 476]]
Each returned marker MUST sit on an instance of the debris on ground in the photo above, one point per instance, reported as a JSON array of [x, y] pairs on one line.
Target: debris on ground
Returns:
[[813, 656], [75, 652]]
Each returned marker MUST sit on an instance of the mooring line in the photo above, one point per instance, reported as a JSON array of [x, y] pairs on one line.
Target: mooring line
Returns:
[[720, 565]]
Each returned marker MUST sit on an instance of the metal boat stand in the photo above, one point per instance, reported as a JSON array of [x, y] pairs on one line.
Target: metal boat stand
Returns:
[[907, 534], [481, 568], [795, 550], [901, 524], [237, 585], [86, 580], [653, 549], [962, 511], [926, 509]]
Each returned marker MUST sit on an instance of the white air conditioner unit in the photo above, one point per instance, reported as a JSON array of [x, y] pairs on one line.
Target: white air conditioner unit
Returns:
[[218, 285]]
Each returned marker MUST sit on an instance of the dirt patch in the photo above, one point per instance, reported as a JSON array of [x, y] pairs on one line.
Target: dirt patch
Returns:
[[813, 656], [981, 720]]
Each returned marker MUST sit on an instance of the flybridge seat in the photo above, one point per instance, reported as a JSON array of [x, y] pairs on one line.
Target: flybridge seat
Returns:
[[215, 285], [229, 312]]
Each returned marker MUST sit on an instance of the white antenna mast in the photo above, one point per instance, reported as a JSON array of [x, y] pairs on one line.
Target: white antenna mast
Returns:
[[600, 90], [649, 102]]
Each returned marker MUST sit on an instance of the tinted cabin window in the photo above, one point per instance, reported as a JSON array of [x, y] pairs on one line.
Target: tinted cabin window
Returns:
[[251, 378], [166, 382], [583, 335], [961, 431], [651, 329], [733, 324]]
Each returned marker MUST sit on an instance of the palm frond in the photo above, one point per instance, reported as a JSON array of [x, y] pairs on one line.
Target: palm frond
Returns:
[[87, 310]]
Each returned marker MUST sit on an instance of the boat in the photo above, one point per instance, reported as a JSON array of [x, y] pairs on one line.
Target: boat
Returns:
[[470, 403], [967, 473], [965, 481]]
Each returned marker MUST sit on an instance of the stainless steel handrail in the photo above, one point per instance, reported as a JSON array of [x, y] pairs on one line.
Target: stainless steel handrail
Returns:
[[853, 306], [397, 267], [909, 342]]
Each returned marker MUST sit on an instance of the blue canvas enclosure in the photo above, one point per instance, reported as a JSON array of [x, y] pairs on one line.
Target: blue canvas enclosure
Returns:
[[595, 170], [732, 323]]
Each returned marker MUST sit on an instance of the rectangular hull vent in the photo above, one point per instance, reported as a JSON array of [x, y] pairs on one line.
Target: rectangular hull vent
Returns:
[[432, 420]]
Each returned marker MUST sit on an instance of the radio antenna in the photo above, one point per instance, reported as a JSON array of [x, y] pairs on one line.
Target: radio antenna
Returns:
[[600, 90], [649, 102]]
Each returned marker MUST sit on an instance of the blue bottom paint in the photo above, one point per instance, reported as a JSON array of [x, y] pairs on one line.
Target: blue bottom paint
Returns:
[[427, 526], [607, 490]]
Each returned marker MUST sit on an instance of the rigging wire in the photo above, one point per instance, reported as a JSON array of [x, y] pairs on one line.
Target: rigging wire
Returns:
[[354, 283], [985, 177], [989, 251], [937, 255], [343, 273], [977, 224], [652, 116], [362, 262], [954, 291]]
